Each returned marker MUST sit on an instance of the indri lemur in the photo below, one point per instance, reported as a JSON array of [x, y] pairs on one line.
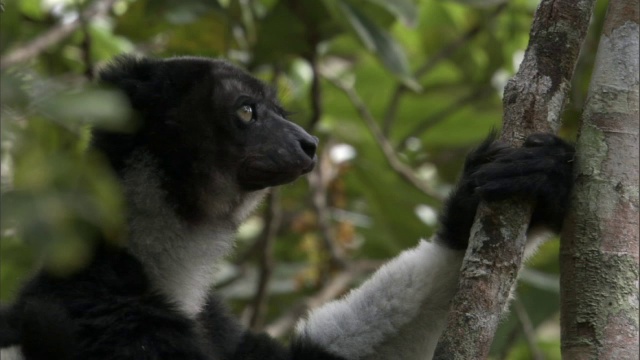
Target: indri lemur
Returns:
[[210, 142]]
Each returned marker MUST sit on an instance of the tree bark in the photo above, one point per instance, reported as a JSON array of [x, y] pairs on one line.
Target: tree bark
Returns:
[[599, 250], [533, 102]]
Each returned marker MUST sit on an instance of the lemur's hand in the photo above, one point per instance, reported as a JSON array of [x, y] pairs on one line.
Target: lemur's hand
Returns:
[[541, 170]]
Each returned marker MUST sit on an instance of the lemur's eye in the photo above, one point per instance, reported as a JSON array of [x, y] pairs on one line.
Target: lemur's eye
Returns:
[[245, 113]]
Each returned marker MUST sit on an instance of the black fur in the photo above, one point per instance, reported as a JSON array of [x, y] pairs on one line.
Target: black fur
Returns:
[[9, 327], [109, 311], [114, 312], [540, 171], [186, 120]]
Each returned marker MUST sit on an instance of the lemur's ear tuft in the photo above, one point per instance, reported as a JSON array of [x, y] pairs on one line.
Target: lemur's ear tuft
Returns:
[[138, 77]]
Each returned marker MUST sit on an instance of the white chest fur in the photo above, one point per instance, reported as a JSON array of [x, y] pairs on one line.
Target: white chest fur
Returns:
[[180, 259]]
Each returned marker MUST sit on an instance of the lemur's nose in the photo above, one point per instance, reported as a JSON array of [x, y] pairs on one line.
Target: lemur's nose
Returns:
[[309, 144]]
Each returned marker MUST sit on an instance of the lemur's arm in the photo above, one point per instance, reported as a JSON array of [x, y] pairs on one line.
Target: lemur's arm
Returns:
[[401, 311]]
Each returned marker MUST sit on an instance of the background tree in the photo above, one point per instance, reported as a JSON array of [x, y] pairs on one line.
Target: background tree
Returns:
[[599, 253], [398, 92]]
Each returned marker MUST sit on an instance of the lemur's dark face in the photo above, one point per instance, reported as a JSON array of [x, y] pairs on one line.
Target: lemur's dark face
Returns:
[[267, 149], [212, 128]]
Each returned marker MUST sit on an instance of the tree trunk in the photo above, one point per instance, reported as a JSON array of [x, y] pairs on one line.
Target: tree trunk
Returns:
[[533, 102], [599, 251]]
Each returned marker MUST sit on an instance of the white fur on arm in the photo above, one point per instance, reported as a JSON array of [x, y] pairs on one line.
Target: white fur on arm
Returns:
[[11, 353], [398, 313]]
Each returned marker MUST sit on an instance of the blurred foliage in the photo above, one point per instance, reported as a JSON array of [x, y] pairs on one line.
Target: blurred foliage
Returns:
[[447, 60]]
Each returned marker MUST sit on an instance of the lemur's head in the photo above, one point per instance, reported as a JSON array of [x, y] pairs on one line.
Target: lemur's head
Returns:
[[211, 128]]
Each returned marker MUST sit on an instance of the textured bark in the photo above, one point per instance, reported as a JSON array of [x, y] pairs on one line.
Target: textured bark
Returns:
[[599, 251], [533, 102]]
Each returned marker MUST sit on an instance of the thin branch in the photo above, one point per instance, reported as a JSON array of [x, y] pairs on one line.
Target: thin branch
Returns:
[[449, 50], [315, 94], [319, 181], [444, 53], [319, 178], [434, 119], [510, 341], [263, 246], [86, 44], [33, 48], [527, 329], [332, 289], [273, 217], [405, 172]]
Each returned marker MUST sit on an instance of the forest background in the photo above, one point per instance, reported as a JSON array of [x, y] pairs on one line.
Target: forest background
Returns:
[[397, 91]]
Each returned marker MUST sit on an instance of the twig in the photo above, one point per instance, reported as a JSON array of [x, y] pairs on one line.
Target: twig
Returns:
[[86, 44], [405, 172], [247, 254], [319, 188], [392, 108], [60, 32], [527, 329], [449, 50], [273, 216], [443, 114], [429, 65], [335, 287], [319, 181], [263, 246], [315, 95], [511, 339]]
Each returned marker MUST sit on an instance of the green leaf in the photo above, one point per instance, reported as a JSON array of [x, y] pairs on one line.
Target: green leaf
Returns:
[[379, 41], [480, 3], [280, 23], [406, 10], [106, 108], [106, 45], [287, 30], [32, 8]]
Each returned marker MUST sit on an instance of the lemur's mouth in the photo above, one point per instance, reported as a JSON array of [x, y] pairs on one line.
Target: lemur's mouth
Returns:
[[260, 177]]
